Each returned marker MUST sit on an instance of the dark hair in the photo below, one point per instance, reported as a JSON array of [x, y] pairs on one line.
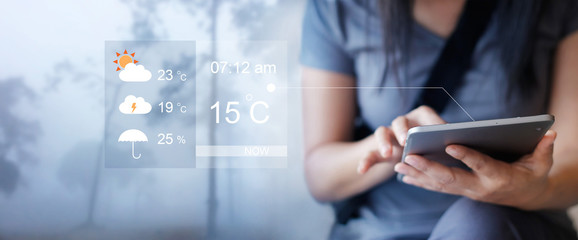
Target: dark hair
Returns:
[[516, 36]]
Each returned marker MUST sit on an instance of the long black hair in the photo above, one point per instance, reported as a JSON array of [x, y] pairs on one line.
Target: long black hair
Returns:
[[516, 35]]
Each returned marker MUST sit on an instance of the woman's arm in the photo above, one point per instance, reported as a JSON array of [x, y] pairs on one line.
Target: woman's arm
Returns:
[[544, 179], [332, 159], [564, 99], [335, 167]]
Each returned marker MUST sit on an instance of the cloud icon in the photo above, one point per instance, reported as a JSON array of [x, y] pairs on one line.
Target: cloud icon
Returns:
[[134, 73], [134, 105]]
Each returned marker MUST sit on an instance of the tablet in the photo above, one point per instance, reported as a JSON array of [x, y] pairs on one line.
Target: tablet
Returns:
[[505, 139]]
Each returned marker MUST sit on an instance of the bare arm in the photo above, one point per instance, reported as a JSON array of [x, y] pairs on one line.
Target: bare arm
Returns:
[[332, 159], [564, 173], [544, 179], [335, 167]]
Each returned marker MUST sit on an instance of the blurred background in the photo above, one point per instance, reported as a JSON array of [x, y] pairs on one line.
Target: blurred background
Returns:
[[53, 184]]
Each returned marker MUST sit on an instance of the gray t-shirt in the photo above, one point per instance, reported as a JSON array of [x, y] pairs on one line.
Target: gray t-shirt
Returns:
[[345, 36]]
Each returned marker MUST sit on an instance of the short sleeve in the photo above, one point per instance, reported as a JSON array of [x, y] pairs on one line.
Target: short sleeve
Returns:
[[321, 44], [571, 18]]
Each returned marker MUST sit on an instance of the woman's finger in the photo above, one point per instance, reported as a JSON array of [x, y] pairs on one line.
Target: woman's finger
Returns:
[[546, 146], [400, 126], [425, 115], [541, 159], [447, 177], [477, 161], [420, 179], [384, 141]]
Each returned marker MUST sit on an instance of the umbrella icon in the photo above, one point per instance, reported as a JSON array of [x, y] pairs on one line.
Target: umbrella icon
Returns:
[[133, 135]]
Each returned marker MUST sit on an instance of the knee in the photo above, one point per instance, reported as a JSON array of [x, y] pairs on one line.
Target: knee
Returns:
[[469, 219]]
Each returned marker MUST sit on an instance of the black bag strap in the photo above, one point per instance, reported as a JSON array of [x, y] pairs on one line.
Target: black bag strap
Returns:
[[448, 72], [456, 56]]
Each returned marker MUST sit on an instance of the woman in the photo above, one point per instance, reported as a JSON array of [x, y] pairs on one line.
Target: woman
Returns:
[[362, 60]]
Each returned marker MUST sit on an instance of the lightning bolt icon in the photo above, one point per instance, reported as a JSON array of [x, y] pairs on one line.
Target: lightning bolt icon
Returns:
[[133, 107]]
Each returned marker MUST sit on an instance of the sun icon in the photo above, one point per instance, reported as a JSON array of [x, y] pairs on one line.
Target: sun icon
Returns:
[[123, 59]]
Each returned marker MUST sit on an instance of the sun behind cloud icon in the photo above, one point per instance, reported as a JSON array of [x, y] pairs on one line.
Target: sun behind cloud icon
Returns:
[[123, 59], [134, 105], [134, 73]]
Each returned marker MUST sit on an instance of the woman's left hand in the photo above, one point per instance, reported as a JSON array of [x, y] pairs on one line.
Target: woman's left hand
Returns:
[[520, 184]]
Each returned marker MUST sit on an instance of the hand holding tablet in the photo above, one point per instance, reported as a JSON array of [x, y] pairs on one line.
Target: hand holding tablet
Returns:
[[503, 139]]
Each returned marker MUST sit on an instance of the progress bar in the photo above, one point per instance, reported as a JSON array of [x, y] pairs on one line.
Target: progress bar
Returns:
[[241, 151]]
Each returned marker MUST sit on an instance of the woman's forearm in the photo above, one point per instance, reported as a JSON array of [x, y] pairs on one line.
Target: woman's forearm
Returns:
[[331, 170], [563, 182], [563, 177]]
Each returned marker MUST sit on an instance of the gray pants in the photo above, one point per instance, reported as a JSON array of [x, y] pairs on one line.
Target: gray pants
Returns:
[[468, 219]]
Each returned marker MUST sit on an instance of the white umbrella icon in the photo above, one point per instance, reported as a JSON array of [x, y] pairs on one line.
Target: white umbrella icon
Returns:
[[133, 135]]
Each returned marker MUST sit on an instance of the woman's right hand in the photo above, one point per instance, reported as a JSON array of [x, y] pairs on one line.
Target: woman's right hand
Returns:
[[331, 157], [389, 141]]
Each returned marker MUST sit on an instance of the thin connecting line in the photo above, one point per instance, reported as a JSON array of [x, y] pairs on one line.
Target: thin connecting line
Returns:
[[364, 87], [458, 104], [442, 88]]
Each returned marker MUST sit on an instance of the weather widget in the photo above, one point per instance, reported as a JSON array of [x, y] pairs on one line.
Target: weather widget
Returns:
[[150, 104], [182, 104]]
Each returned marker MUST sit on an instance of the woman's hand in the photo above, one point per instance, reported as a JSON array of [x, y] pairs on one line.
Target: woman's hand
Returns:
[[520, 184], [389, 141]]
